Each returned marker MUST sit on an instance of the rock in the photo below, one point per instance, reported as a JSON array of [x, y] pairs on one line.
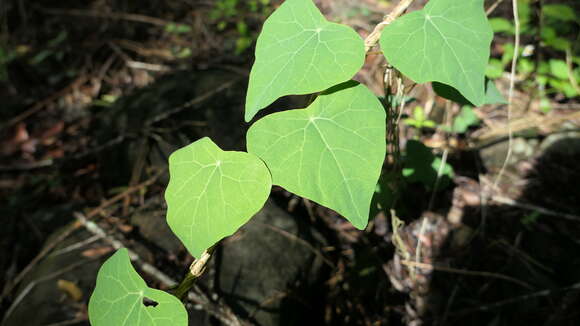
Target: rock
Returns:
[[271, 270]]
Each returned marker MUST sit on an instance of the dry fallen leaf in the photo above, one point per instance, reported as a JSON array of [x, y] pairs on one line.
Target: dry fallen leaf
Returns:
[[96, 252], [71, 289]]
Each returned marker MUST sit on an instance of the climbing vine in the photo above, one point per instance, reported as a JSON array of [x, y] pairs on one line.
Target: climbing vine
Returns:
[[330, 152]]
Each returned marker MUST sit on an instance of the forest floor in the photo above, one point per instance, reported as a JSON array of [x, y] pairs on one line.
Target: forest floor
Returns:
[[82, 172]]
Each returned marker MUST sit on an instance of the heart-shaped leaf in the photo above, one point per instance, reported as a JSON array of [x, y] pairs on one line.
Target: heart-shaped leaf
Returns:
[[121, 297], [447, 41], [211, 193], [330, 152], [300, 52]]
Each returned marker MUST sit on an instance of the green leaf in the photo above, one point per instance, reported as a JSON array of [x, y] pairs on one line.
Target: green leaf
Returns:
[[448, 42], [418, 114], [120, 295], [300, 52], [494, 69], [501, 25], [211, 193], [422, 166], [465, 119], [330, 152], [559, 68], [492, 94], [559, 12], [525, 14]]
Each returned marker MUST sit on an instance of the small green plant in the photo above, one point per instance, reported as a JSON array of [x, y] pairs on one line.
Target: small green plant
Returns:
[[419, 120], [557, 36], [330, 152]]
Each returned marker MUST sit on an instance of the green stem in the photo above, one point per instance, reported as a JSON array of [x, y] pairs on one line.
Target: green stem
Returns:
[[195, 271]]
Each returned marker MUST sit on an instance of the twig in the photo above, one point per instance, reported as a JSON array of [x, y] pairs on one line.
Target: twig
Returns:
[[375, 35], [511, 91], [72, 228], [65, 234], [465, 272], [498, 304], [303, 242], [109, 15], [93, 228], [75, 246], [94, 212], [32, 284], [27, 166], [492, 7], [41, 104], [531, 207], [191, 103]]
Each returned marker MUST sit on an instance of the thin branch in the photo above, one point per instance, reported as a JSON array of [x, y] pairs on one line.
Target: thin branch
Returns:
[[108, 15], [531, 207], [511, 91], [505, 302], [374, 37], [465, 272], [492, 7]]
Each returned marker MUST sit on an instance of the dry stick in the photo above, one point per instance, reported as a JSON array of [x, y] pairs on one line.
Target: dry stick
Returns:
[[465, 272], [374, 37], [109, 15], [130, 190], [66, 233], [505, 302], [486, 193], [511, 91], [41, 104], [492, 7], [191, 103], [72, 228], [299, 240], [531, 207], [33, 283]]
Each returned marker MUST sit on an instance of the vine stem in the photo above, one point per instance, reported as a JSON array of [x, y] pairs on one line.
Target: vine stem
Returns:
[[375, 35], [196, 269], [199, 265]]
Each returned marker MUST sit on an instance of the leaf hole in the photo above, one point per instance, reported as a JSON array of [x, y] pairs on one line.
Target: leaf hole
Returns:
[[149, 302]]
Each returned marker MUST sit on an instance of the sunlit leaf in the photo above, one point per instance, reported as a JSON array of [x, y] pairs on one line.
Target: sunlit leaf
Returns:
[[501, 25], [300, 52], [121, 297], [448, 41], [330, 152], [559, 68], [211, 193]]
